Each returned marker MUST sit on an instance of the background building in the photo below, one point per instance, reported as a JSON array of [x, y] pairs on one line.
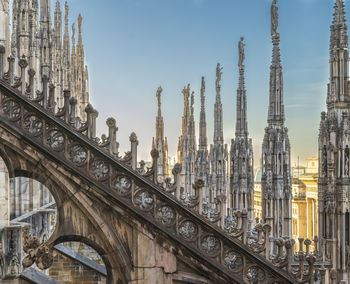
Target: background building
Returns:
[[304, 201]]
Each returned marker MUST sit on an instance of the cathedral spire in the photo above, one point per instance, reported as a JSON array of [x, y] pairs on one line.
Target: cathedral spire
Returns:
[[45, 12], [241, 120], [218, 125], [192, 127], [338, 91], [186, 115], [202, 124], [276, 106], [159, 119], [58, 24]]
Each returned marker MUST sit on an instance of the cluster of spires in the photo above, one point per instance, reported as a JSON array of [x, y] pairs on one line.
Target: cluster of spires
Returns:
[[51, 55], [229, 177]]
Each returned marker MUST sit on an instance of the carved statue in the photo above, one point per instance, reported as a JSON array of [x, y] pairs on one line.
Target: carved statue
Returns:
[[241, 52], [159, 93], [348, 256], [218, 75], [346, 166], [324, 161], [274, 17], [203, 86]]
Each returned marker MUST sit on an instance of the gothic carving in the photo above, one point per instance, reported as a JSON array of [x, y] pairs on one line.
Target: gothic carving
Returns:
[[166, 215], [233, 260], [77, 154], [188, 230], [210, 245], [122, 185]]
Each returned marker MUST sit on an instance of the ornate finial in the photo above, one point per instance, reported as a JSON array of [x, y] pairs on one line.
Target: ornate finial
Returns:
[[58, 4], [203, 93], [73, 33], [111, 122], [159, 94], [218, 76], [66, 10], [80, 20], [241, 46], [133, 137], [203, 86], [274, 18]]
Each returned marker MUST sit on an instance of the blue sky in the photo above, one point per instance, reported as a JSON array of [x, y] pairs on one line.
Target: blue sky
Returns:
[[133, 46]]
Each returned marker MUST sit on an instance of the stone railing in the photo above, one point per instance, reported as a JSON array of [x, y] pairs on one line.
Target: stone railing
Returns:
[[219, 242]]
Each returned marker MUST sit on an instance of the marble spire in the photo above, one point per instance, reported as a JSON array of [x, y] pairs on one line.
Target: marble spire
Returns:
[[159, 142], [276, 107], [58, 25], [241, 113], [334, 153], [338, 92], [218, 124], [241, 155], [203, 144], [276, 173], [159, 119]]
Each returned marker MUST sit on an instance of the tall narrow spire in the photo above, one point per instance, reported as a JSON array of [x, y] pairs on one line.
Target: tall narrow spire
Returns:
[[66, 49], [338, 91], [45, 12], [218, 124], [66, 42], [58, 24], [241, 121], [159, 119], [276, 175], [276, 106], [202, 123], [186, 115], [242, 166], [159, 142]]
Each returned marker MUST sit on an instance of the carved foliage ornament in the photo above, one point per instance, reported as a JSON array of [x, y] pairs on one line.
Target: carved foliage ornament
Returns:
[[255, 274], [41, 255], [77, 154], [122, 185], [210, 245], [55, 140], [166, 215], [99, 170], [188, 230], [11, 109], [233, 260], [143, 200], [33, 124]]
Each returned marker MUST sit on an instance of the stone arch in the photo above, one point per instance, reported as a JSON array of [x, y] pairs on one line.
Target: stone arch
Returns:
[[69, 192], [66, 194], [95, 246]]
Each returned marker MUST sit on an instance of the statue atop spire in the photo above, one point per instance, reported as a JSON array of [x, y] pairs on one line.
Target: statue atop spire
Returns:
[[276, 171], [202, 122], [218, 77], [241, 46], [159, 142], [202, 92], [66, 10], [158, 95], [274, 18], [241, 121]]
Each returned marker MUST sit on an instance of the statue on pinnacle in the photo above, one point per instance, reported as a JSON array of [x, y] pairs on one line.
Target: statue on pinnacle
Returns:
[[241, 53], [274, 18], [218, 76]]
